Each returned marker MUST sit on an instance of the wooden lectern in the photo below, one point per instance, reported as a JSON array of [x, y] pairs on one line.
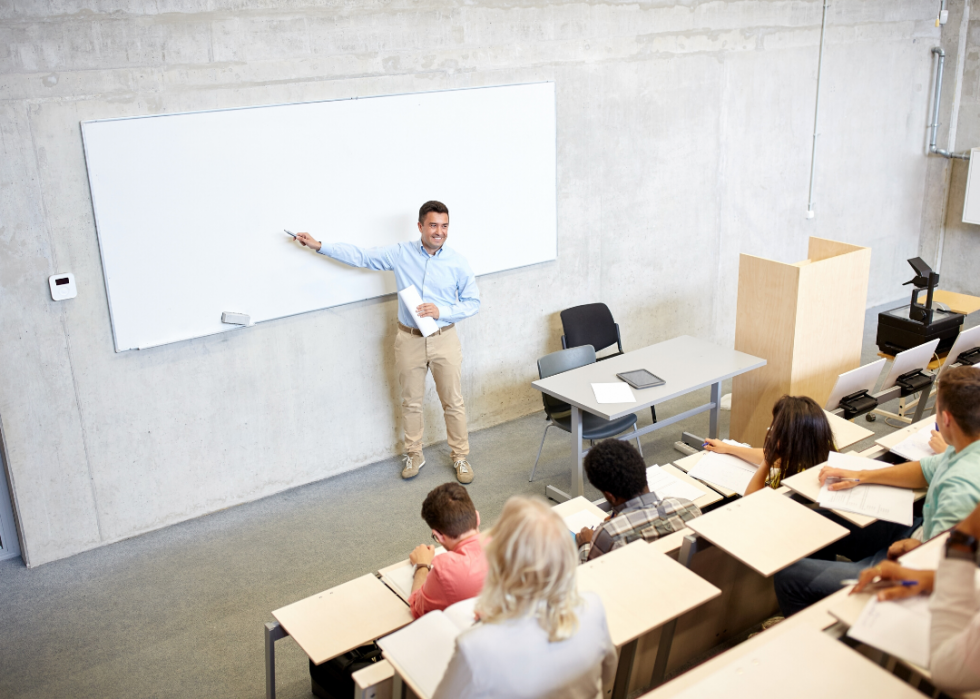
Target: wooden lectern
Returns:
[[806, 319]]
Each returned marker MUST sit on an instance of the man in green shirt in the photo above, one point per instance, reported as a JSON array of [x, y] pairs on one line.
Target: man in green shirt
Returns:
[[952, 479]]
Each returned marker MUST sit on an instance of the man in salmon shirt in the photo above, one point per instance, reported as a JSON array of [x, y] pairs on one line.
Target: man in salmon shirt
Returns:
[[457, 574]]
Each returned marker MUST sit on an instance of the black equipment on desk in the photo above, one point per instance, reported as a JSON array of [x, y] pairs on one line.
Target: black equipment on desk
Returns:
[[910, 326], [913, 382], [970, 357], [857, 404]]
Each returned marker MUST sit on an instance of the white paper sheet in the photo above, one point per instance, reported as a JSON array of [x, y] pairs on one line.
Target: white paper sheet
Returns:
[[462, 614], [582, 518], [401, 577], [423, 649], [899, 628], [410, 297], [915, 446], [667, 485], [725, 470], [618, 392], [880, 501]]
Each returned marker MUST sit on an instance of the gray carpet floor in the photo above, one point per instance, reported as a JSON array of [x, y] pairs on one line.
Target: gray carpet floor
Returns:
[[180, 612]]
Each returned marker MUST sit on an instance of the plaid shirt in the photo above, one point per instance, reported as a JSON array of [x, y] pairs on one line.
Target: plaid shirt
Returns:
[[645, 517]]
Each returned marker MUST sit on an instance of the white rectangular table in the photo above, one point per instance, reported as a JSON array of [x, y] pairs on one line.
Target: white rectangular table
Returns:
[[685, 363], [765, 530]]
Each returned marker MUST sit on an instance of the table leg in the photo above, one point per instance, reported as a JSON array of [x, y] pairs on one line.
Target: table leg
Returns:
[[663, 653], [273, 632], [397, 687], [625, 669], [920, 408], [715, 411], [578, 485], [689, 546], [557, 495]]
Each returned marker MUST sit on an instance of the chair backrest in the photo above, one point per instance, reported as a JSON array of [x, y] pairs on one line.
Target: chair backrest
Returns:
[[591, 324], [557, 363]]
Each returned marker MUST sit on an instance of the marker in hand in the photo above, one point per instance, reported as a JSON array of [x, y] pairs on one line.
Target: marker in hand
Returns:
[[289, 233]]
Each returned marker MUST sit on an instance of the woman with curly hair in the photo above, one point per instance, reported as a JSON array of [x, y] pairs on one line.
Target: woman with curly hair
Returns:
[[537, 637]]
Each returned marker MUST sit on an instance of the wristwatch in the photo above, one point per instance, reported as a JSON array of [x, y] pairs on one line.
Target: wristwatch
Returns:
[[963, 546]]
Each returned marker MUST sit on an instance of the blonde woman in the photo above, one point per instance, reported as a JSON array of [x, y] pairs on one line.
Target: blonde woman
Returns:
[[537, 637]]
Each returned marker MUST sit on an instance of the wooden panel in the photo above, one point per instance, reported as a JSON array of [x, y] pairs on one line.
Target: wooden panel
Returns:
[[957, 303], [824, 248], [765, 327], [829, 319]]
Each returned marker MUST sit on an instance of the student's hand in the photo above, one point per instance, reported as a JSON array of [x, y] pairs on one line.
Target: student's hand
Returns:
[[937, 443], [900, 548], [422, 555], [584, 536], [847, 479], [308, 240], [888, 571], [717, 445], [428, 310], [971, 525]]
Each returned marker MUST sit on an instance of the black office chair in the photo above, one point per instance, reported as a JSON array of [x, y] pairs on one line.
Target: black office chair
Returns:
[[593, 324], [558, 413]]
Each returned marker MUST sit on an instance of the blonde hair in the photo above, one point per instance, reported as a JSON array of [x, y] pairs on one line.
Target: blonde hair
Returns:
[[531, 562]]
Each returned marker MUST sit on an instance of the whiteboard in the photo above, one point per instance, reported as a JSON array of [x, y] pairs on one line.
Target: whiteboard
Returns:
[[190, 208], [971, 203]]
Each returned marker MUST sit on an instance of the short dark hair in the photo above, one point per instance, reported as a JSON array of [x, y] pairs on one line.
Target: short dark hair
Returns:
[[959, 395], [433, 205], [448, 509], [616, 467], [799, 437]]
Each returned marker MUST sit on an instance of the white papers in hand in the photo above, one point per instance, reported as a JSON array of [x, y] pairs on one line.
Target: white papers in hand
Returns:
[[582, 518], [881, 501], [899, 628], [618, 392], [915, 446], [725, 470], [667, 485], [410, 297]]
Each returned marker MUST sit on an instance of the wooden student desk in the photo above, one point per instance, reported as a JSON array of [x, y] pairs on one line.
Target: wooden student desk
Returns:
[[766, 531], [688, 462], [335, 621], [899, 436], [686, 364], [846, 433]]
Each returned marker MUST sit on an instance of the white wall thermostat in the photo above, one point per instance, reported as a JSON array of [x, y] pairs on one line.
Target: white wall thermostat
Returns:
[[62, 286]]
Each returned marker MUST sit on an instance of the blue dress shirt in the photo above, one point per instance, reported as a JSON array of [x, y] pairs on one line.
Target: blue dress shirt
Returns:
[[444, 279]]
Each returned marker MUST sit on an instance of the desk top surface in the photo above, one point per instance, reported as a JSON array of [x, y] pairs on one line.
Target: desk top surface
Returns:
[[578, 504], [710, 496], [685, 363], [957, 303], [344, 617], [642, 589], [767, 531], [846, 433], [801, 662], [898, 436], [688, 462]]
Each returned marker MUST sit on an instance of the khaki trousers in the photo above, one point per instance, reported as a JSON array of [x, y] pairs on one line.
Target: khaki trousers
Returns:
[[442, 355]]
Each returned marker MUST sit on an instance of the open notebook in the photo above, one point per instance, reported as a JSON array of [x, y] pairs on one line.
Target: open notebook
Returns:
[[399, 577], [881, 501], [422, 650]]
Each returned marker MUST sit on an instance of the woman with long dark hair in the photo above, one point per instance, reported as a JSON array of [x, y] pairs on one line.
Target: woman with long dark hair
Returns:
[[798, 438]]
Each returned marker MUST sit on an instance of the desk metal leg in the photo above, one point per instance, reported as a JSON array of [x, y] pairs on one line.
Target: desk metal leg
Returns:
[[397, 687], [689, 547], [557, 495], [663, 653], [578, 486], [273, 632], [625, 669], [920, 408], [715, 411]]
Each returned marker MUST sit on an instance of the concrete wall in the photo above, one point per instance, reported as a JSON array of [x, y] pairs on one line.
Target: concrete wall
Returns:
[[960, 266], [684, 139]]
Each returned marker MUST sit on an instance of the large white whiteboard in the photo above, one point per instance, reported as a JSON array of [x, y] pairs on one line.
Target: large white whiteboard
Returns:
[[190, 208]]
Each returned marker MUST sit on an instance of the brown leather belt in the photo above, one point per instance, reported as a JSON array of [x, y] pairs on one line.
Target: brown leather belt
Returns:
[[418, 333]]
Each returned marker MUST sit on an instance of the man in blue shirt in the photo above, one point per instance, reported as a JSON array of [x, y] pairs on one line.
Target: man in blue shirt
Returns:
[[448, 291]]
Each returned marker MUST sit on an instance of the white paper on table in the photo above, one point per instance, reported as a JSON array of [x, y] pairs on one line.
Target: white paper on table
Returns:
[[401, 577], [582, 518], [410, 297], [424, 648], [880, 501], [915, 446], [618, 392], [899, 628], [667, 485], [725, 470]]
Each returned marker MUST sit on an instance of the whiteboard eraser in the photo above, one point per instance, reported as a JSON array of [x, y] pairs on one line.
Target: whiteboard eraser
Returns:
[[62, 286], [233, 318]]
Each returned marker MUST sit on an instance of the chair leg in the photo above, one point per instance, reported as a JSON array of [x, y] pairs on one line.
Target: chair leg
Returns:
[[638, 447], [534, 468], [653, 412]]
